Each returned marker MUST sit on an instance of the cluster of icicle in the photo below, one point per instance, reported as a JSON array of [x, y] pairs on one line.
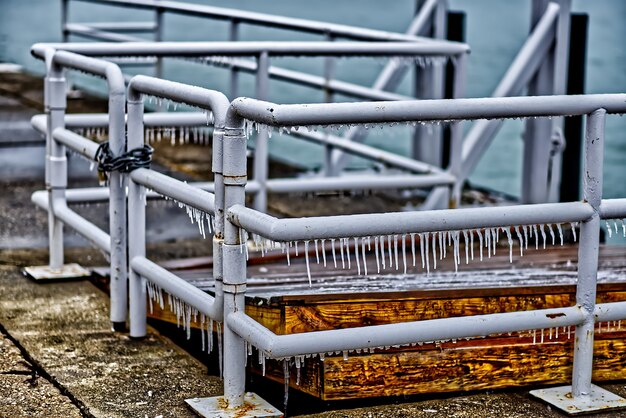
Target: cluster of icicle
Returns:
[[185, 315], [389, 249], [179, 135], [615, 228], [251, 126], [97, 133], [204, 220], [537, 336]]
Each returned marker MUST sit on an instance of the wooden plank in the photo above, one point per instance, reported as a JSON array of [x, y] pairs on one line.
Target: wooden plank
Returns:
[[465, 369]]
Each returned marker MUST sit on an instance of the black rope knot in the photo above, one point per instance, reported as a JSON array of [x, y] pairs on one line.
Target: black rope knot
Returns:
[[125, 163]]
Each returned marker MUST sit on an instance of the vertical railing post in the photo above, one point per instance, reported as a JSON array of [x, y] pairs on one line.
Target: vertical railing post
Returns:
[[158, 37], [218, 227], [64, 18], [456, 132], [429, 84], [234, 261], [329, 74], [117, 207], [234, 72], [136, 222], [588, 254], [56, 161], [541, 168], [583, 396], [261, 151]]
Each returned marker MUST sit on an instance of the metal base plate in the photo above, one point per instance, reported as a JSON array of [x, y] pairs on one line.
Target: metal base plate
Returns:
[[68, 271], [216, 407], [598, 400]]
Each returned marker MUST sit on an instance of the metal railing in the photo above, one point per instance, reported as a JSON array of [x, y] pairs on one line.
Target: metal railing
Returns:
[[231, 217], [245, 330], [263, 51], [538, 66]]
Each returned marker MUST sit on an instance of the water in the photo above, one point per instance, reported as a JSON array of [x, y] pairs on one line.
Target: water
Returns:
[[495, 31]]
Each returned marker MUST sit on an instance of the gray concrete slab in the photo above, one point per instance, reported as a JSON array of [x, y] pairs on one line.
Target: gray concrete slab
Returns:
[[66, 331]]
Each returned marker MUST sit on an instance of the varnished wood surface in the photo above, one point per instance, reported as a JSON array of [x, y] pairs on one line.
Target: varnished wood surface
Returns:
[[283, 302]]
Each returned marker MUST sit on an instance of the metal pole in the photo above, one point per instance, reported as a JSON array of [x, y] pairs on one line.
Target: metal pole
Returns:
[[429, 84], [117, 210], [158, 37], [261, 152], [234, 262], [56, 162], [456, 133], [588, 254], [234, 72], [64, 17], [538, 132], [136, 223]]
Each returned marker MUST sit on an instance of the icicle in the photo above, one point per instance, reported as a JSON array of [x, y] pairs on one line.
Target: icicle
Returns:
[[347, 243], [525, 229], [389, 249], [343, 262], [403, 252], [395, 250], [324, 252], [332, 246], [480, 243], [376, 253], [345, 355], [306, 257], [552, 234], [456, 252], [382, 252], [442, 245], [573, 226], [510, 239], [434, 243], [521, 241], [288, 250], [608, 229], [471, 234], [495, 238], [558, 226], [356, 256], [427, 239], [422, 249], [543, 235], [363, 254], [317, 254], [465, 241], [488, 242], [413, 247]]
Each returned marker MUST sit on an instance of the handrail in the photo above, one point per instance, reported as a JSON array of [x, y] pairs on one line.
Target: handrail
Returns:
[[278, 115], [390, 223], [283, 48], [303, 25]]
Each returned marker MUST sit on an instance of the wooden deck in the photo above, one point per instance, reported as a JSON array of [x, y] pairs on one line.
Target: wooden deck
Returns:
[[280, 298]]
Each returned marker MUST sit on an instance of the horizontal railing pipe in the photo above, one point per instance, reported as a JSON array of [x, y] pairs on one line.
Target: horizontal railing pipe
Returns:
[[77, 143], [269, 20], [325, 227], [101, 120], [612, 208], [612, 311], [179, 288], [425, 110], [197, 96], [379, 336], [175, 189], [312, 48], [70, 218], [362, 182]]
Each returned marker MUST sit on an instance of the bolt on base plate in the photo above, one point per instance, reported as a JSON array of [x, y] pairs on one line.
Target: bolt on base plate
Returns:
[[598, 400], [216, 407], [66, 272]]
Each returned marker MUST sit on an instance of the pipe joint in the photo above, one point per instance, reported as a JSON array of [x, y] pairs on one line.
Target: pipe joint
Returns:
[[57, 172], [55, 97]]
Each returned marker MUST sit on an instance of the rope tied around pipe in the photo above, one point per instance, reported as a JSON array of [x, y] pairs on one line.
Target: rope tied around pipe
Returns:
[[131, 160]]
